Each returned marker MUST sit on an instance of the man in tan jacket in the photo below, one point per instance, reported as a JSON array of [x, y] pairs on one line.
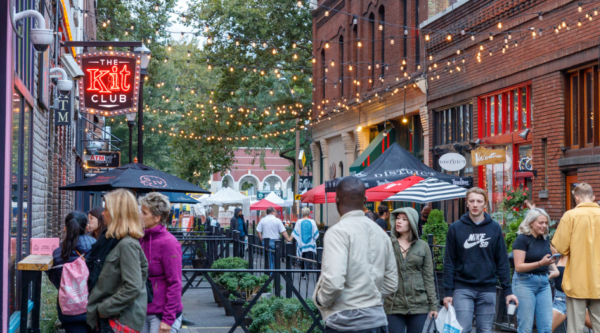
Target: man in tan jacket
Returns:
[[358, 268], [578, 236]]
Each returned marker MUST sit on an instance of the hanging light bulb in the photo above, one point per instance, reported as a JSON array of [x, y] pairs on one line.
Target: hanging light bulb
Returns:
[[189, 53], [156, 6], [430, 57], [579, 7], [472, 37], [332, 63], [326, 13], [274, 51], [392, 40], [209, 40], [295, 56], [326, 45], [264, 44], [449, 37], [314, 60], [294, 45], [350, 67], [359, 44], [380, 27], [299, 3], [579, 22], [427, 37], [183, 17], [491, 36]]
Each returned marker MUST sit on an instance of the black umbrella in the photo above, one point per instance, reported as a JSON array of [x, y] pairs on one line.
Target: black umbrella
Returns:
[[180, 198], [137, 177]]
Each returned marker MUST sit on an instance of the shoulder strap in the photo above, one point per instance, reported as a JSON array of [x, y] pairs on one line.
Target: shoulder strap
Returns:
[[79, 254]]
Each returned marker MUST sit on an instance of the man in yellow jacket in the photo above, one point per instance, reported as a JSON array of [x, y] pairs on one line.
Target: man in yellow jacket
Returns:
[[578, 236]]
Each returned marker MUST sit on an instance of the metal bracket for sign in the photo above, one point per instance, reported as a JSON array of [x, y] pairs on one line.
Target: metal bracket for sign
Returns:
[[85, 45], [101, 138]]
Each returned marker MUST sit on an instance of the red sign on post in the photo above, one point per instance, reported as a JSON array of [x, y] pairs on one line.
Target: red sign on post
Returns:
[[111, 84]]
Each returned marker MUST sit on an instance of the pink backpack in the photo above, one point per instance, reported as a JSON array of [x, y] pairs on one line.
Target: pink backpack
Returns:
[[73, 293]]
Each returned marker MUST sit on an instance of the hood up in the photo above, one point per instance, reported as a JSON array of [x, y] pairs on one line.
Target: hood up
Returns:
[[413, 218]]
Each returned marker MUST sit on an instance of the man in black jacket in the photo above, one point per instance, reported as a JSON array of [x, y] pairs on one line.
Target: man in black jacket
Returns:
[[237, 224], [476, 260]]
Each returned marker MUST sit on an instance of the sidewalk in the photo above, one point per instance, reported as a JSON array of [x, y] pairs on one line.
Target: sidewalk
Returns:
[[199, 307]]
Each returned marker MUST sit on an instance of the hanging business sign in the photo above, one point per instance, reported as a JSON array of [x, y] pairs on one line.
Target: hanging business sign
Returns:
[[103, 159], [483, 156], [111, 84], [452, 162], [62, 114]]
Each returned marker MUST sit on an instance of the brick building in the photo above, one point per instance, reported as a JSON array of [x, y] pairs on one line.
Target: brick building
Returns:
[[39, 156], [534, 93], [364, 96]]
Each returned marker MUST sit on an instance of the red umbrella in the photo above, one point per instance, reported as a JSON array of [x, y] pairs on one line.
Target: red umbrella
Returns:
[[382, 192], [317, 196], [264, 204]]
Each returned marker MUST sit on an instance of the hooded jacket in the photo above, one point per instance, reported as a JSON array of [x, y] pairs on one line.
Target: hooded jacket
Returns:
[[476, 257], [416, 288], [163, 252], [234, 222]]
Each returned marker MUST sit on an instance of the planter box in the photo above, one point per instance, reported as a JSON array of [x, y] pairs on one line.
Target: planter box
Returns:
[[198, 263]]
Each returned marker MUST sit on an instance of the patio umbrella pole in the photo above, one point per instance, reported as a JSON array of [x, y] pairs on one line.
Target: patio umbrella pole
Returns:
[[326, 210]]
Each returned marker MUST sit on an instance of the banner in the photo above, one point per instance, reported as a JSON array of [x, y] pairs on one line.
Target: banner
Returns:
[[62, 115], [483, 156]]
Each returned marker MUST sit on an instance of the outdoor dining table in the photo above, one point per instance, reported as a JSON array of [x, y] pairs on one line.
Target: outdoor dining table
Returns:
[[32, 268]]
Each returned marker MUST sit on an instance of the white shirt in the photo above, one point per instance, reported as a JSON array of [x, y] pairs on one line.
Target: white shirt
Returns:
[[270, 227]]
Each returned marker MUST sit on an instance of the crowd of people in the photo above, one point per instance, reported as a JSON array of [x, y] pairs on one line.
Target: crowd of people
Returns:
[[370, 281], [398, 293]]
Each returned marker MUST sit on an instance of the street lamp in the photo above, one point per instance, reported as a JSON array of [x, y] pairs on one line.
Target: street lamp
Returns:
[[130, 123], [145, 56]]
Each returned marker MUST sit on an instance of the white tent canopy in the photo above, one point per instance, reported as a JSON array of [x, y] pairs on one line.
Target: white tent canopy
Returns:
[[228, 197], [274, 198]]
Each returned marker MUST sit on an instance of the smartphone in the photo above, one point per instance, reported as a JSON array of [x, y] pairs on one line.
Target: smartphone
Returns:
[[556, 256]]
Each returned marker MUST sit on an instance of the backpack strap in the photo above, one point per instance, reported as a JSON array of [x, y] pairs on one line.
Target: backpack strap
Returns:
[[79, 254]]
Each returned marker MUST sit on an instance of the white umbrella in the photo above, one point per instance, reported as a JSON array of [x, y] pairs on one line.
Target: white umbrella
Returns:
[[429, 190]]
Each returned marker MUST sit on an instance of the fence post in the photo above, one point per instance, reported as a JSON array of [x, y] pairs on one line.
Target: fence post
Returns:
[[236, 243], [288, 265], [250, 252], [278, 266], [253, 227], [319, 259], [265, 244], [430, 242]]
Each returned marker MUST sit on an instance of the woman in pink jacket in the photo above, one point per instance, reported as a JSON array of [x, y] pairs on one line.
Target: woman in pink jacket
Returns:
[[163, 252]]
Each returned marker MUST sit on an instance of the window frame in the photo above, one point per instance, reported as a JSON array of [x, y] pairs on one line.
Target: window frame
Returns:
[[452, 126], [576, 125], [501, 119]]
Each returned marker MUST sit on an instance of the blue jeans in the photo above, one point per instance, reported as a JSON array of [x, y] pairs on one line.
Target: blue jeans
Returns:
[[468, 302], [535, 298], [270, 254]]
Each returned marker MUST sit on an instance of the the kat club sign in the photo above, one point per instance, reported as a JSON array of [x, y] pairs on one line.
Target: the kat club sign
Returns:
[[111, 84]]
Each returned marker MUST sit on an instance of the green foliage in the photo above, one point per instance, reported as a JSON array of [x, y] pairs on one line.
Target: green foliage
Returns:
[[279, 315], [512, 234], [232, 297], [514, 198], [243, 282], [228, 263], [437, 226], [48, 311]]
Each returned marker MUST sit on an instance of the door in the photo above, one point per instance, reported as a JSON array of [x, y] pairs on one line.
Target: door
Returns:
[[571, 183]]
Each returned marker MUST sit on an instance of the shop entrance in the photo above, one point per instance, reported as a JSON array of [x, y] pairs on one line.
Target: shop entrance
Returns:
[[570, 185]]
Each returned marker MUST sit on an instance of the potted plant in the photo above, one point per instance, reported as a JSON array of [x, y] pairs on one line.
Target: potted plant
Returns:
[[437, 226], [279, 315], [225, 263]]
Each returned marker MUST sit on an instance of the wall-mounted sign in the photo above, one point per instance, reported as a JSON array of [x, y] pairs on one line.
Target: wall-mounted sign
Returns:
[[104, 159], [62, 115], [452, 162], [301, 159], [111, 83], [483, 156]]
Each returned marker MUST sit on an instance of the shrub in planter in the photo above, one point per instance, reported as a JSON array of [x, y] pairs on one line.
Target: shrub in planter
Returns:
[[279, 315], [437, 226], [228, 263]]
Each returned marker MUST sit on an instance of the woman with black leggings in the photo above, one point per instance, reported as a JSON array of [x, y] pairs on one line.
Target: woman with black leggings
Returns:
[[408, 308]]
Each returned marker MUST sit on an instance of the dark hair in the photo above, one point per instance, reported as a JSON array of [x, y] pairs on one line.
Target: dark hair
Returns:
[[270, 210], [97, 213], [75, 224], [382, 209]]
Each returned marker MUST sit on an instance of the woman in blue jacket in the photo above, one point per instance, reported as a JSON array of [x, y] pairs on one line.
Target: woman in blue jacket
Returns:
[[75, 241]]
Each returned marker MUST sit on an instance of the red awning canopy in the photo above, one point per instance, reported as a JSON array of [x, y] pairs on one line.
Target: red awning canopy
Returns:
[[264, 204], [317, 195]]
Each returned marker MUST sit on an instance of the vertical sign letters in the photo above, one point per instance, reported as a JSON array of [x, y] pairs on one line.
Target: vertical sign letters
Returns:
[[62, 115], [111, 82]]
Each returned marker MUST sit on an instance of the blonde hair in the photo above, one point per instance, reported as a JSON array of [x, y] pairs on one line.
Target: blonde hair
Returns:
[[583, 190], [158, 204], [477, 190], [305, 211], [124, 215], [532, 216]]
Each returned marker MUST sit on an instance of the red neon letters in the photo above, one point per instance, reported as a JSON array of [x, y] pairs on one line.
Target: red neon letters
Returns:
[[116, 85]]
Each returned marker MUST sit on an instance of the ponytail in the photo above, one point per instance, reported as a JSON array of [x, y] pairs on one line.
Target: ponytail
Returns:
[[75, 224]]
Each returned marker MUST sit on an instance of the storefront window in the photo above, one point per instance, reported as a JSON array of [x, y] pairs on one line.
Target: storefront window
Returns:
[[20, 229], [505, 111], [453, 125], [497, 176]]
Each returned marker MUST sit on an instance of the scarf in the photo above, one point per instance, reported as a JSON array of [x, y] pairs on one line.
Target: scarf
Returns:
[[96, 257]]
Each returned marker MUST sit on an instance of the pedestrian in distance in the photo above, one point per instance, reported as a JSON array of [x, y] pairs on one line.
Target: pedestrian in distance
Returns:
[[271, 227], [75, 244], [306, 234], [559, 304], [474, 262], [534, 267], [368, 213], [358, 269], [384, 214], [415, 299], [96, 223], [237, 223], [423, 219], [211, 221], [577, 237], [118, 268], [163, 251]]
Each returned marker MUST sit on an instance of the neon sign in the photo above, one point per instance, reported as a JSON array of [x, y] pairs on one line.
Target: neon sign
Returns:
[[111, 84]]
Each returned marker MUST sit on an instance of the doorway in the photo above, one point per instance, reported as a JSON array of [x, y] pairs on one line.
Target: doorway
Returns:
[[570, 185]]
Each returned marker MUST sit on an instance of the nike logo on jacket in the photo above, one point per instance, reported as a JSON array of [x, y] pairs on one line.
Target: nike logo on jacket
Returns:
[[475, 257]]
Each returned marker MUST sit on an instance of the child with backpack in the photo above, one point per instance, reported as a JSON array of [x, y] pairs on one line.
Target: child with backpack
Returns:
[[69, 273]]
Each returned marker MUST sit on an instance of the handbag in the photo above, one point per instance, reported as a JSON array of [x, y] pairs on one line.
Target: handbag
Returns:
[[435, 329]]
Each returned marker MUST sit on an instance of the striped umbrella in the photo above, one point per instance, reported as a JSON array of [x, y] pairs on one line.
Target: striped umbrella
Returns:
[[429, 190]]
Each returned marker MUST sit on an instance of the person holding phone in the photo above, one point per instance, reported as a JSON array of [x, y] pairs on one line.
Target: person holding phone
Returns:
[[534, 266]]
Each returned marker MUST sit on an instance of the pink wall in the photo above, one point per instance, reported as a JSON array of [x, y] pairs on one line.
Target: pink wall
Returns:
[[245, 163]]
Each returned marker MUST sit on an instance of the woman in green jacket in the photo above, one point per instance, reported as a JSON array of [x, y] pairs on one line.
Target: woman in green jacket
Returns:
[[118, 297], [408, 308]]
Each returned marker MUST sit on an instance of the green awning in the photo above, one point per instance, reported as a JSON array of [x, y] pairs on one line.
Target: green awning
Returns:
[[380, 144]]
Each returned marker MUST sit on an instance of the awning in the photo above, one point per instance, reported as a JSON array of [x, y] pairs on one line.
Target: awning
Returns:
[[377, 147]]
